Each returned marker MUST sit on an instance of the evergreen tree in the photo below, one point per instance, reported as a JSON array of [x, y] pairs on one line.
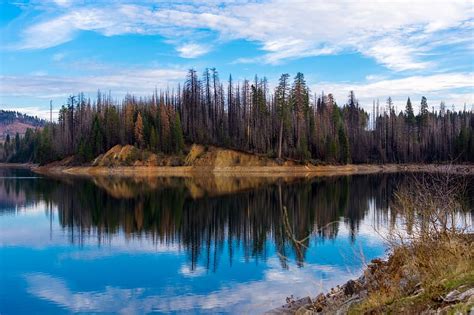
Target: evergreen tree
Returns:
[[139, 131], [344, 156], [153, 140], [409, 114], [177, 134], [300, 103], [248, 117], [17, 142], [282, 93], [424, 112], [97, 137]]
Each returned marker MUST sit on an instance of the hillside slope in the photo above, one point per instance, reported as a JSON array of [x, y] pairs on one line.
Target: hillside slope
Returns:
[[12, 122]]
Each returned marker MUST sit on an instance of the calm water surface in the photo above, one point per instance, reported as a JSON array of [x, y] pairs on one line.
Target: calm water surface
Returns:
[[205, 245]]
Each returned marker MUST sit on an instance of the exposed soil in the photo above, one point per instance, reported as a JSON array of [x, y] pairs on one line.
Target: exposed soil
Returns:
[[130, 161]]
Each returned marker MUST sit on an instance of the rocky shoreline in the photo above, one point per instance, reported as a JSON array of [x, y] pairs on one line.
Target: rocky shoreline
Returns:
[[340, 299]]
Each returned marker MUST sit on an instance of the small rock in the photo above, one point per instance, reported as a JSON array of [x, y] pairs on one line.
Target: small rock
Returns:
[[321, 298], [292, 307], [452, 296], [351, 287], [466, 295]]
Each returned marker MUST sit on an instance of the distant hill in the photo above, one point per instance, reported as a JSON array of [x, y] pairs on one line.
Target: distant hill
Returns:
[[12, 122]]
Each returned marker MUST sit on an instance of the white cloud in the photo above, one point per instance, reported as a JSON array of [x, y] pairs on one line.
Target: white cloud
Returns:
[[136, 81], [397, 34], [188, 272], [240, 298], [453, 88], [39, 88], [47, 34], [436, 87], [395, 55], [192, 50], [40, 112], [63, 3]]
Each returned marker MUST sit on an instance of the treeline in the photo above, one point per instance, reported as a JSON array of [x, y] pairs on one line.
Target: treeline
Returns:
[[287, 122]]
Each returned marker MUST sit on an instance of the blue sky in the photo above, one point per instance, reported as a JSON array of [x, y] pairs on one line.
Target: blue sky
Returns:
[[51, 49]]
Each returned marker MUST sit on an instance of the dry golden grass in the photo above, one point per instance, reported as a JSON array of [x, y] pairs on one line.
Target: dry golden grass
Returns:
[[432, 250]]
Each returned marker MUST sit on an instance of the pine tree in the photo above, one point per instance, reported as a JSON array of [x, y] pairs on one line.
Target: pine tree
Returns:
[[300, 103], [139, 131], [112, 127], [284, 124], [282, 94], [177, 134], [17, 142], [424, 106], [409, 114], [164, 137], [97, 136], [344, 156], [129, 126], [424, 112], [153, 140]]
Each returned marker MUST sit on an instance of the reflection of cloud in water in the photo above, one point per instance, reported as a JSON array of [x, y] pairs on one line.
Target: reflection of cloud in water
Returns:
[[186, 271], [254, 296], [24, 208]]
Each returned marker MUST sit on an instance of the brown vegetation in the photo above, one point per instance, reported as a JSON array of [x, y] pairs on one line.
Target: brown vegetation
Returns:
[[432, 250], [431, 264]]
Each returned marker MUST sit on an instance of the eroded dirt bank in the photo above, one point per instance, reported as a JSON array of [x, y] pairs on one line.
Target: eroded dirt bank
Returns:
[[129, 161]]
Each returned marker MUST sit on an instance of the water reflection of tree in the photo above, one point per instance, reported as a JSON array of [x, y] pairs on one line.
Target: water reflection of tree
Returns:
[[20, 188], [166, 211]]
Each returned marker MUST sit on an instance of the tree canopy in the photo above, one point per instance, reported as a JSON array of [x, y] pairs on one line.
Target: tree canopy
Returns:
[[289, 122]]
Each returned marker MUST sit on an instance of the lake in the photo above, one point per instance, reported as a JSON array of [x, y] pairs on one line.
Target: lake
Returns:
[[183, 245]]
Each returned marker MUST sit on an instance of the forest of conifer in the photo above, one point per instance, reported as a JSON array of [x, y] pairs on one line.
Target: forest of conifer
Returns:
[[288, 122]]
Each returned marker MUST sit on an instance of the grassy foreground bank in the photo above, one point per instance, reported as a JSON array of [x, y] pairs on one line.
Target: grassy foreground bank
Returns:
[[430, 269]]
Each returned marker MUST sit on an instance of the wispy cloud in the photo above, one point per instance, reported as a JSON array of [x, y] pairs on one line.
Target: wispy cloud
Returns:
[[137, 81], [454, 88], [397, 34], [239, 298], [58, 56], [192, 50]]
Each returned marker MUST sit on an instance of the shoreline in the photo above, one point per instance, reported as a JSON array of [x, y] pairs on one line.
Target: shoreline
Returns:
[[250, 171], [346, 297], [242, 171]]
